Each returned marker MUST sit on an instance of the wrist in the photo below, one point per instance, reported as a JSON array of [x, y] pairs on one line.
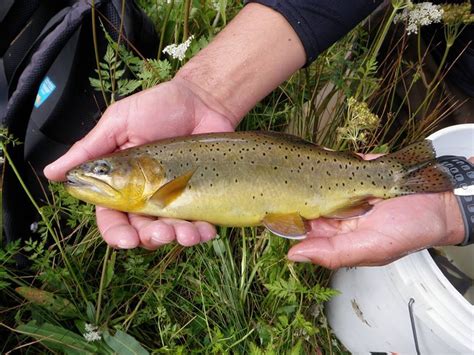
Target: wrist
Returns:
[[455, 231], [205, 104]]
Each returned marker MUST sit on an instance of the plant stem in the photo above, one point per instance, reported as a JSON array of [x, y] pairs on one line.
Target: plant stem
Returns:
[[45, 220], [163, 28], [187, 10], [96, 52], [101, 285]]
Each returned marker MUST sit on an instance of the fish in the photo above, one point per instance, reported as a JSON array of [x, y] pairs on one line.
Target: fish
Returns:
[[253, 178]]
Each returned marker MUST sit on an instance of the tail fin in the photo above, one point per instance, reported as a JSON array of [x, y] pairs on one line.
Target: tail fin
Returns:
[[415, 170]]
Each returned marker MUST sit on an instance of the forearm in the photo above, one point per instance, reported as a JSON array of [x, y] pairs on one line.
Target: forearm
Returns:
[[256, 52]]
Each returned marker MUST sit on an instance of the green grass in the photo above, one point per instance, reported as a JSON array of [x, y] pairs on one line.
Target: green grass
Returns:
[[237, 293]]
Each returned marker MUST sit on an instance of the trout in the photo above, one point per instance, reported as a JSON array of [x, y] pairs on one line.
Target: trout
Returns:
[[252, 178]]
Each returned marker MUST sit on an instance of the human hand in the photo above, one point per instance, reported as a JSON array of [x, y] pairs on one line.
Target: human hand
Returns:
[[392, 229], [173, 108]]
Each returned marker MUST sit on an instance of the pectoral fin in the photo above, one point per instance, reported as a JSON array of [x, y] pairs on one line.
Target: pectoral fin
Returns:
[[354, 210], [171, 190], [289, 226]]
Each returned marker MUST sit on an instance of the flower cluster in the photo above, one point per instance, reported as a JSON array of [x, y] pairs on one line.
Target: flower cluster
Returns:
[[92, 333], [457, 13], [178, 51], [417, 15], [361, 122]]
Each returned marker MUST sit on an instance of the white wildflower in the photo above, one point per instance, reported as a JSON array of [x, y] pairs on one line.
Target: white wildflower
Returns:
[[421, 14], [92, 333], [178, 51], [34, 227]]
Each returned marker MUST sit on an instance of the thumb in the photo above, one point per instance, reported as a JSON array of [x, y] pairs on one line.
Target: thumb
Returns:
[[102, 139]]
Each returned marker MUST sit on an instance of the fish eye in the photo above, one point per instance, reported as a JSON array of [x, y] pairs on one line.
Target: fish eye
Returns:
[[101, 168]]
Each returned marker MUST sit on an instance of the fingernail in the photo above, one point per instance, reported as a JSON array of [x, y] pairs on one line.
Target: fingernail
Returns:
[[125, 244], [299, 258]]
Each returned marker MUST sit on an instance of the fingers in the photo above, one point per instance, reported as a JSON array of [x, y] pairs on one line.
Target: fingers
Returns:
[[123, 231], [350, 249], [116, 229], [154, 233], [102, 139]]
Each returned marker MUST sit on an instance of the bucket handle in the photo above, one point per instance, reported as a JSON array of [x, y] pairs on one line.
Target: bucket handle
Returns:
[[413, 326]]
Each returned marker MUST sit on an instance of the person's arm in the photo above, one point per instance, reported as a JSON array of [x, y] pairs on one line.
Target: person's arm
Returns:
[[320, 23], [255, 53]]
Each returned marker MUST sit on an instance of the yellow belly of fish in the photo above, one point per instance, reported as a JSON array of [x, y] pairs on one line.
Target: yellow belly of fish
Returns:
[[237, 207]]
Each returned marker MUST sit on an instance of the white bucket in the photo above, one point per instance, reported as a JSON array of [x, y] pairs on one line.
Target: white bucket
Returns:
[[372, 313]]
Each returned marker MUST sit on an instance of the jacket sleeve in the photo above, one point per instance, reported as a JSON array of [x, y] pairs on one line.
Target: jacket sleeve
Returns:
[[320, 23]]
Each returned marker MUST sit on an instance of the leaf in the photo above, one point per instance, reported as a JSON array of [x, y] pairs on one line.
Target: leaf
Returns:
[[123, 343], [284, 289], [90, 311], [51, 302], [381, 149], [109, 271], [126, 86], [57, 338], [297, 349]]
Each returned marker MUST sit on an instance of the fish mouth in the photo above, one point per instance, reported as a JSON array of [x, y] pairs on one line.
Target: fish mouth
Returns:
[[74, 181], [81, 182]]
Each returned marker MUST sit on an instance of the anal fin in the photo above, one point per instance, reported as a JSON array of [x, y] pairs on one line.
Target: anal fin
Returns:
[[289, 225]]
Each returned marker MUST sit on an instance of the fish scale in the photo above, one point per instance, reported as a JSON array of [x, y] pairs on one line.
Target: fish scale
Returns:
[[253, 178]]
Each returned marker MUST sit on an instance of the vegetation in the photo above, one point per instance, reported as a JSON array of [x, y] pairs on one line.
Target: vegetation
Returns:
[[237, 293]]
